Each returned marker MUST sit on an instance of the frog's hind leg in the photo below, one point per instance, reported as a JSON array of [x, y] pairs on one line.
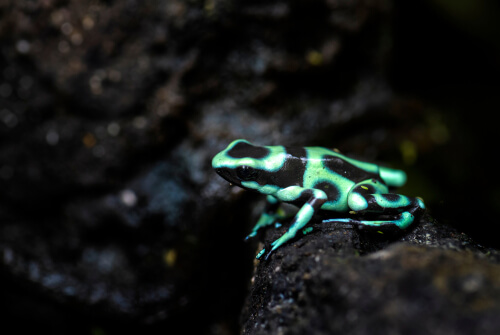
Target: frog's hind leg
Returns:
[[371, 196], [405, 219]]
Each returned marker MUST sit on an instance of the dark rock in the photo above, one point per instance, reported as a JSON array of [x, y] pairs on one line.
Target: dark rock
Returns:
[[430, 280]]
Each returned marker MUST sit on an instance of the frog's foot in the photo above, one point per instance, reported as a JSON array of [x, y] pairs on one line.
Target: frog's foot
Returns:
[[249, 236], [279, 242], [259, 255], [370, 197], [307, 230], [265, 252]]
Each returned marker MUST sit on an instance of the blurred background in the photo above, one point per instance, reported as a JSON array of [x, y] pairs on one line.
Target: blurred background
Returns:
[[111, 218]]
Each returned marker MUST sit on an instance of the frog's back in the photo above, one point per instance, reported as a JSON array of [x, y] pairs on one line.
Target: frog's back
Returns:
[[336, 164], [356, 170]]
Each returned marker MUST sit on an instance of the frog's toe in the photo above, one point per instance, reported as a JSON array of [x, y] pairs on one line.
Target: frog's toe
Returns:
[[268, 254], [275, 245], [262, 252], [252, 234], [265, 253]]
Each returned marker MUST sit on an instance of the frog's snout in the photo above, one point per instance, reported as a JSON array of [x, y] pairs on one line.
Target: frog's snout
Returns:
[[224, 173]]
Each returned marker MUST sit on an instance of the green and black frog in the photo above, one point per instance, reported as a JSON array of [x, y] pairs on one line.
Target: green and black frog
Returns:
[[316, 179]]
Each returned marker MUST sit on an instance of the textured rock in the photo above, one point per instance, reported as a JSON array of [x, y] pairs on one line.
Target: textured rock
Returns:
[[431, 280]]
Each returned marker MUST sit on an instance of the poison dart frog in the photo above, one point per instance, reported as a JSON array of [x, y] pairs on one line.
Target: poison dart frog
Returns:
[[314, 179]]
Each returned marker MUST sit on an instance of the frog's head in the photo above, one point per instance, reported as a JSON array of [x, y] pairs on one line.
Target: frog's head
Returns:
[[247, 165]]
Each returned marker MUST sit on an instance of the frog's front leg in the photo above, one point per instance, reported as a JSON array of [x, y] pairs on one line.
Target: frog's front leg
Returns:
[[371, 196], [313, 200], [272, 212]]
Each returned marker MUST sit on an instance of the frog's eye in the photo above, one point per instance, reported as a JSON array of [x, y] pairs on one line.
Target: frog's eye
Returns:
[[245, 172]]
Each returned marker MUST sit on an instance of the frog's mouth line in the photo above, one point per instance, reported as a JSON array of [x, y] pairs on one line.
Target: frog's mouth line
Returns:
[[233, 181]]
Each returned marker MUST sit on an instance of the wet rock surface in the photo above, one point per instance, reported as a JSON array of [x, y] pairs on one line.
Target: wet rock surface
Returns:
[[430, 280]]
